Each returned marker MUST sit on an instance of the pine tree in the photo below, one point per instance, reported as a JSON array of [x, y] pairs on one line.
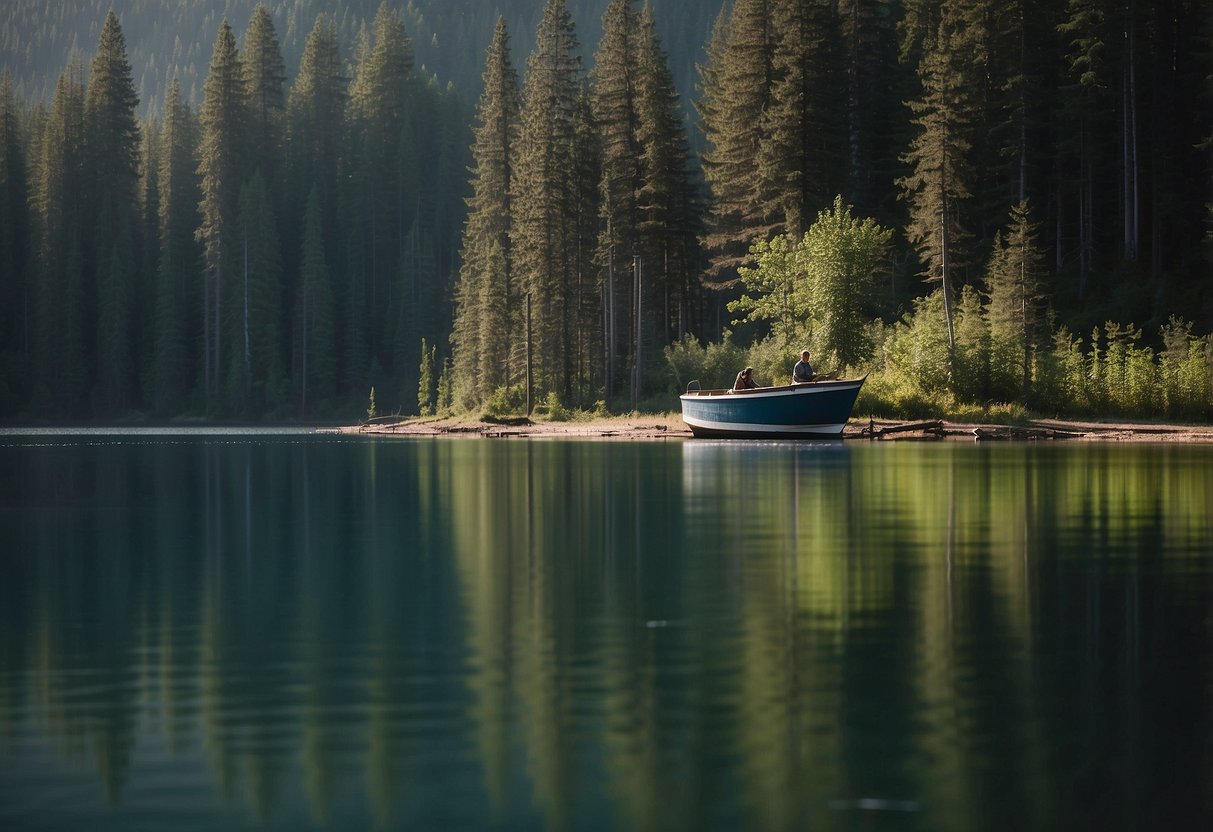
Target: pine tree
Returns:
[[15, 254], [264, 80], [667, 202], [1015, 287], [260, 358], [800, 147], [112, 152], [315, 375], [1083, 29], [178, 304], [736, 90], [938, 183], [60, 296], [615, 84], [486, 303], [376, 204], [315, 150], [222, 166], [541, 240]]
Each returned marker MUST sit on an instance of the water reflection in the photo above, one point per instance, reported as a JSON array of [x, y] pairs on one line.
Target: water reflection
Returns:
[[470, 634]]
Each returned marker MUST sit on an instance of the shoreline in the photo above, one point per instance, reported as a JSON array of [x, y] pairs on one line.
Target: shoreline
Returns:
[[670, 426]]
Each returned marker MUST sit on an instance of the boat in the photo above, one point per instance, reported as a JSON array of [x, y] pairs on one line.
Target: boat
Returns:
[[816, 409]]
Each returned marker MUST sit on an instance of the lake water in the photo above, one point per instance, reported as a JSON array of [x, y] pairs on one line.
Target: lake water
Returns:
[[288, 631]]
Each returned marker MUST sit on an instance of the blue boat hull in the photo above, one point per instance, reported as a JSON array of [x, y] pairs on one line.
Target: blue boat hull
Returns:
[[798, 411]]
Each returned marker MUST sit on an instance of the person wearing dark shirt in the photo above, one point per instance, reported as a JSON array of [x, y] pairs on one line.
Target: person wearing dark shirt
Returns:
[[802, 373], [745, 380]]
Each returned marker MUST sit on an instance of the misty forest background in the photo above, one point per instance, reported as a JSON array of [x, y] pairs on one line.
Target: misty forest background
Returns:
[[240, 211]]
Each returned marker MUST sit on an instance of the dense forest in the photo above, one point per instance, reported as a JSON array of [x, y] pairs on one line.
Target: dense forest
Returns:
[[975, 202]]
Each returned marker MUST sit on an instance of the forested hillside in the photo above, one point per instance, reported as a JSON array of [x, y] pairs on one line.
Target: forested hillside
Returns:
[[268, 212], [169, 39]]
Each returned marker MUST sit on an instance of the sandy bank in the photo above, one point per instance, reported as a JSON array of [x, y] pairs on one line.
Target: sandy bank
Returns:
[[671, 426]]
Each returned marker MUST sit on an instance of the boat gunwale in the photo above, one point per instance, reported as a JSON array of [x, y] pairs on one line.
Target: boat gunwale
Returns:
[[801, 387]]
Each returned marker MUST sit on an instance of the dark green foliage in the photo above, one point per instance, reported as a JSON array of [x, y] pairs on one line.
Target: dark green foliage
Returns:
[[222, 166], [542, 240], [486, 303], [112, 167], [315, 374], [177, 291], [15, 230], [259, 367]]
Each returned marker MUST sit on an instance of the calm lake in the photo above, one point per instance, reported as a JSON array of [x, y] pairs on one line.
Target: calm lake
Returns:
[[215, 631]]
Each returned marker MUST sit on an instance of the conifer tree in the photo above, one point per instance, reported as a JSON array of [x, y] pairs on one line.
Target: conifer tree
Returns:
[[938, 182], [222, 165], [540, 237], [667, 202], [800, 155], [315, 373], [486, 302], [315, 152], [60, 298], [178, 299], [1083, 29], [112, 153], [264, 80], [1015, 287], [14, 231], [260, 364], [736, 90], [615, 85], [376, 204]]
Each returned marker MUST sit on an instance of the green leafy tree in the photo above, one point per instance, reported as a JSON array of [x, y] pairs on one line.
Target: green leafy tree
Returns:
[[776, 289], [841, 255]]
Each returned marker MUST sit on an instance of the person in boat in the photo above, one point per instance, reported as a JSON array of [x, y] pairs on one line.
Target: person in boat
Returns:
[[745, 380], [803, 373]]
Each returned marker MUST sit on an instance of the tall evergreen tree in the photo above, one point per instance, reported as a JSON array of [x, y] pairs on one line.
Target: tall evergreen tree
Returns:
[[177, 323], [315, 367], [14, 231], [256, 380], [315, 151], [1015, 287], [615, 83], [667, 202], [112, 150], [264, 80], [376, 209], [736, 91], [222, 165], [486, 302], [61, 300], [1083, 29], [938, 183], [540, 237], [800, 156]]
